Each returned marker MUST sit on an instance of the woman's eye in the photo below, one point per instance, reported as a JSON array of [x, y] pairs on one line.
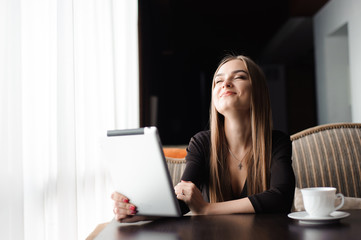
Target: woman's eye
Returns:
[[241, 77]]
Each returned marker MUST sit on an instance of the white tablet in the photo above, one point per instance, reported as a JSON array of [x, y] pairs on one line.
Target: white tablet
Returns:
[[139, 171]]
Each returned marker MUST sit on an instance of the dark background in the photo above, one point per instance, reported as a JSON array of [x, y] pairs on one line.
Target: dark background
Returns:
[[182, 41]]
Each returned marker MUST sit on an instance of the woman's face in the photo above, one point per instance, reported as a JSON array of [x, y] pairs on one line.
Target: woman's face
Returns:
[[232, 87]]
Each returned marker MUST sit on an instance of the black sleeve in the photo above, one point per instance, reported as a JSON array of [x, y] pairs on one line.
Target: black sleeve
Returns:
[[279, 197], [197, 162]]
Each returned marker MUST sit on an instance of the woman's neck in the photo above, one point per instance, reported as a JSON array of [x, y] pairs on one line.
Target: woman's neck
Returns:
[[238, 132]]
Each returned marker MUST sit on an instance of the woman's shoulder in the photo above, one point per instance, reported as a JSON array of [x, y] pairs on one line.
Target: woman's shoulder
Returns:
[[200, 142], [206, 134]]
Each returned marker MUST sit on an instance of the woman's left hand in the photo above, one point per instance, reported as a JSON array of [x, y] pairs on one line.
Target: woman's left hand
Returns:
[[190, 194]]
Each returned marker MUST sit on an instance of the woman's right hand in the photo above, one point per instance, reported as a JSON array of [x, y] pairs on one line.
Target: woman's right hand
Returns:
[[123, 210]]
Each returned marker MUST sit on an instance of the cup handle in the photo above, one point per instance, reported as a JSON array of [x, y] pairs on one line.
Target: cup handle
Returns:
[[340, 195]]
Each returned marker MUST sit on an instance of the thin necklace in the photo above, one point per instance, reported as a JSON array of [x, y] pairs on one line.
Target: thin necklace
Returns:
[[240, 161]]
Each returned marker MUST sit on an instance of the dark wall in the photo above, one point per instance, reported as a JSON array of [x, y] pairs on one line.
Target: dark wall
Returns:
[[181, 43]]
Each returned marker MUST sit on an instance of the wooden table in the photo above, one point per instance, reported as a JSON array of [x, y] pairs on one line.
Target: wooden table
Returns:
[[240, 226]]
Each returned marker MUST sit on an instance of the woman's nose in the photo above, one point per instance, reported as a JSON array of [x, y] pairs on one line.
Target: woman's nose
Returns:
[[227, 84]]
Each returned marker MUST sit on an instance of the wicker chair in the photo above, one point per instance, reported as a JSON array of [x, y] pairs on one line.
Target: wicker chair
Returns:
[[329, 155]]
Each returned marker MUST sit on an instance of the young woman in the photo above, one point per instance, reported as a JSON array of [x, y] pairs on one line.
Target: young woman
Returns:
[[240, 165]]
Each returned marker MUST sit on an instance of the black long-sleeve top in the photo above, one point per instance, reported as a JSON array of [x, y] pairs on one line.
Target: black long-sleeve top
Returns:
[[277, 199]]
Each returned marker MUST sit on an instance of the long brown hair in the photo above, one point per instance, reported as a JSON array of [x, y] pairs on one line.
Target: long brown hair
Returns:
[[261, 124]]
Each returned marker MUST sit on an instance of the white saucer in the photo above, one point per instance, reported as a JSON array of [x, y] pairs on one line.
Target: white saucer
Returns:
[[304, 218]]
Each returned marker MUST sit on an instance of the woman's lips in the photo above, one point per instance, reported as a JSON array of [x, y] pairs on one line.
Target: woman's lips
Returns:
[[227, 93]]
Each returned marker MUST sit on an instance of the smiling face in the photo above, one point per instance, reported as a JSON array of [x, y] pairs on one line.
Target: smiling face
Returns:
[[232, 87]]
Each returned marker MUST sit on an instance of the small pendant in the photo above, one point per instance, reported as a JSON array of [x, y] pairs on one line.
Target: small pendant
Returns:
[[240, 165]]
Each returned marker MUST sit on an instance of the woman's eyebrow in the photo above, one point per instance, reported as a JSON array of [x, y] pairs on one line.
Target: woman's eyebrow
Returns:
[[234, 72], [237, 71]]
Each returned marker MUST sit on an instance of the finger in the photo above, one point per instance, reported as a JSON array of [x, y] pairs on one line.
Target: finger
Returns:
[[124, 205], [119, 197], [116, 196], [178, 189], [129, 211], [179, 192], [182, 197], [178, 185], [124, 211], [185, 185]]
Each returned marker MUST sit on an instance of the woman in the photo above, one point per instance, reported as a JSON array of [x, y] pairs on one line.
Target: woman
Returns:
[[240, 165]]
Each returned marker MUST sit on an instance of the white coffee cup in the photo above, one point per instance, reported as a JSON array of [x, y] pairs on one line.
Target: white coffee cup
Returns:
[[320, 201]]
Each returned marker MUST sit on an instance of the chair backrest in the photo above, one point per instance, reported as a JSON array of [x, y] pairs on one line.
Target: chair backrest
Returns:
[[329, 155], [176, 168], [175, 157]]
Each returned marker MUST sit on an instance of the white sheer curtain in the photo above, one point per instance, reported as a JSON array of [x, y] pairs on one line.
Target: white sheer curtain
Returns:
[[69, 72]]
